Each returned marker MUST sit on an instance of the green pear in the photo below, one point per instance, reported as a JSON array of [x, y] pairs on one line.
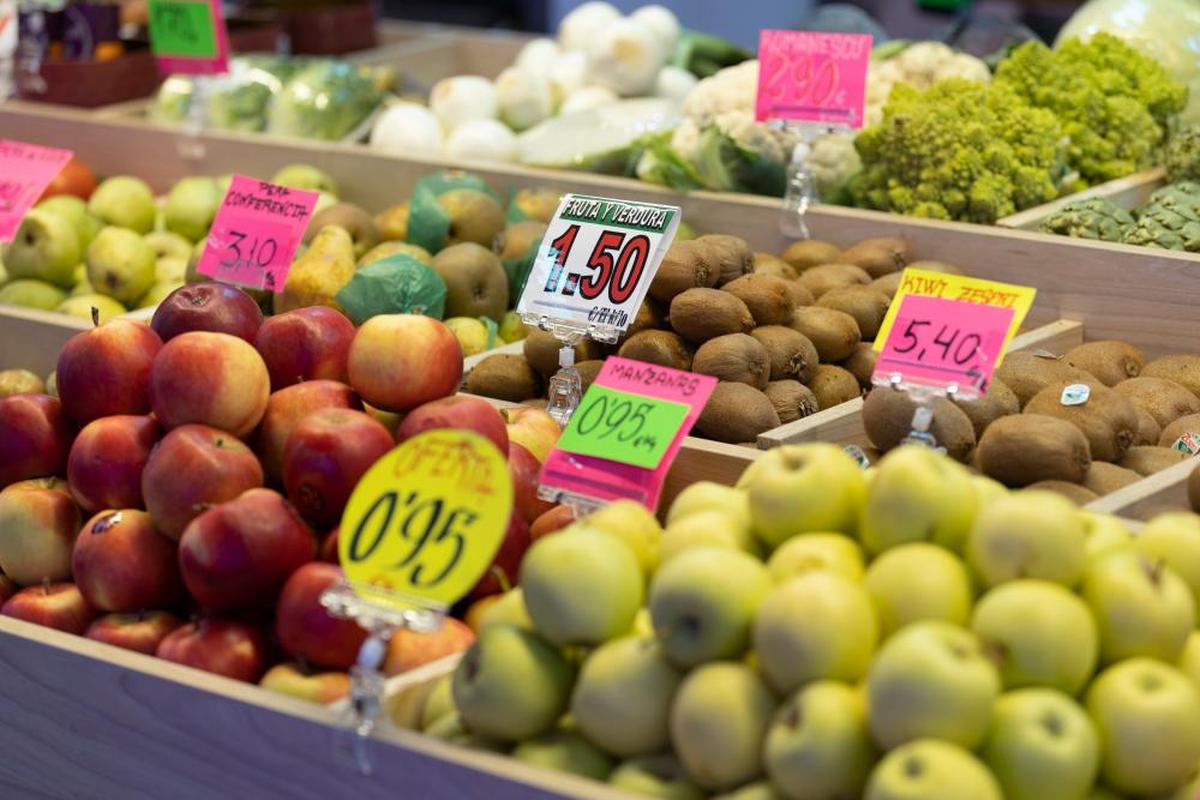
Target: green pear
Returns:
[[508, 610], [917, 495], [987, 490], [475, 216], [1141, 607], [83, 306], [391, 248], [451, 728], [45, 248], [759, 790], [120, 264], [1105, 533], [75, 211], [706, 529], [168, 245], [1174, 539], [157, 293], [190, 207], [318, 275], [304, 176], [1042, 746], [928, 769], [1034, 533], [20, 381], [170, 270], [565, 751], [124, 201], [439, 702], [1100, 793], [809, 552], [83, 286], [660, 776], [1189, 662], [31, 294]]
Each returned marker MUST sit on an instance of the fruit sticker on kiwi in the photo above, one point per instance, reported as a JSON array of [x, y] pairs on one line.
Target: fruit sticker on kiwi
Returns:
[[255, 234], [595, 264], [808, 76], [188, 37], [425, 521], [25, 172], [622, 439]]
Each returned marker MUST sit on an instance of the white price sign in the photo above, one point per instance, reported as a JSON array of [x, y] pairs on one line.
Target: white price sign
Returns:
[[597, 260]]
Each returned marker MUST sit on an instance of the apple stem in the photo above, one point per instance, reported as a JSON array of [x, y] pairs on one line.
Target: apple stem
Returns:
[[95, 317], [502, 578]]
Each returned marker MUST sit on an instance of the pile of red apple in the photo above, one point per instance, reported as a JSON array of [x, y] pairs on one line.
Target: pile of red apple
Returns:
[[181, 495]]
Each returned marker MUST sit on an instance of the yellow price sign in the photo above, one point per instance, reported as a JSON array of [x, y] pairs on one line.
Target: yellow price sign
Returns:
[[425, 522]]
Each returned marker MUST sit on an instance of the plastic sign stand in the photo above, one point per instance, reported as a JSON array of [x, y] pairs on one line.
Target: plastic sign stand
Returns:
[[25, 172], [188, 37]]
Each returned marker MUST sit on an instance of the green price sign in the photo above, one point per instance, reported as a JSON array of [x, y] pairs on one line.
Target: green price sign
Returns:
[[184, 28], [620, 426]]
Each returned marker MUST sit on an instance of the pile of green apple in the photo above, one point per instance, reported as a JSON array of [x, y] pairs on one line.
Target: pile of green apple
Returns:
[[820, 633]]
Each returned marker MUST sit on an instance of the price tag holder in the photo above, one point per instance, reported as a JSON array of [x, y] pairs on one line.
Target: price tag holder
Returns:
[[595, 265], [25, 172], [255, 234], [188, 37], [621, 441], [812, 77]]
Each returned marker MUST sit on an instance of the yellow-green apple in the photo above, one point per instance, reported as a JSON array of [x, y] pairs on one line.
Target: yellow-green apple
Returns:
[[1038, 634], [75, 179], [104, 467], [450, 728], [1035, 533], [719, 719], [208, 306], [120, 264], [1042, 746], [1146, 713], [811, 552], [524, 470], [399, 361], [410, 649], [1105, 533], [105, 371], [228, 647], [511, 684], [306, 629], [211, 379], [191, 205], [931, 679], [298, 681], [564, 751], [758, 790], [325, 455], [1189, 662], [929, 769], [704, 496], [702, 604], [121, 563], [141, 632], [917, 495], [1142, 608], [1174, 539], [918, 581], [35, 437], [533, 429], [38, 523], [660, 775], [191, 468], [814, 627], [305, 344], [705, 529], [285, 408], [803, 488], [553, 520], [74, 210], [507, 608], [20, 381], [438, 702], [237, 555], [506, 564], [168, 245], [55, 605], [462, 412], [632, 523], [817, 747], [45, 248], [126, 201], [581, 587], [987, 490], [622, 699]]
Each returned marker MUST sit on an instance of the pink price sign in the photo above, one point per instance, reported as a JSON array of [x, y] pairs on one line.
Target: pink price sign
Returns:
[[25, 172], [622, 439], [812, 77], [255, 234]]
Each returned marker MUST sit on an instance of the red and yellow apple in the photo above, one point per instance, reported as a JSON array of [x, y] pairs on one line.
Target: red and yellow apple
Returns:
[[104, 467], [533, 429], [105, 371], [553, 520], [121, 563], [462, 411], [288, 406], [409, 649], [306, 629], [315, 687], [55, 605], [207, 306], [141, 632], [305, 344], [525, 469], [209, 378], [399, 361], [505, 568], [35, 437], [226, 647], [76, 178], [38, 523]]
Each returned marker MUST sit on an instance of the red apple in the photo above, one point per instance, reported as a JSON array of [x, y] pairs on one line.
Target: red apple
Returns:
[[141, 632], [226, 647], [55, 605], [106, 461], [325, 455], [506, 565], [553, 520], [35, 437], [525, 470], [210, 378], [409, 649], [288, 406], [399, 361], [460, 411], [76, 178], [8, 587], [315, 687], [105, 371], [532, 428], [238, 554], [329, 548], [207, 306], [193, 467], [38, 523], [121, 563], [306, 629], [305, 344]]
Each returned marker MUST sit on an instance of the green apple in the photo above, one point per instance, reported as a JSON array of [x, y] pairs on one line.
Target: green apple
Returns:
[[511, 685], [304, 176], [719, 720], [1034, 533], [20, 381], [1100, 793], [450, 728], [1148, 717], [565, 751], [1105, 533], [30, 293], [702, 604], [1188, 791], [85, 305], [126, 202], [918, 581], [818, 747], [1039, 633], [1142, 608], [660, 776], [711, 496], [1174, 539], [471, 333], [632, 523], [809, 552], [581, 586], [1042, 746], [156, 294], [190, 207], [759, 790], [120, 264], [508, 610], [171, 270], [987, 490], [931, 679], [512, 329], [439, 702], [705, 529], [45, 248], [803, 488], [928, 769], [817, 626], [82, 287], [166, 244], [1189, 662], [917, 495], [75, 211]]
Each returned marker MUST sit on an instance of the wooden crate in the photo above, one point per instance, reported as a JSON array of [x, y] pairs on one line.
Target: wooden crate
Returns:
[[1128, 193]]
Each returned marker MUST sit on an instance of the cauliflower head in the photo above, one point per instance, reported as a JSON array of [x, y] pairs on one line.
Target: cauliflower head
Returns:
[[919, 65], [1095, 218]]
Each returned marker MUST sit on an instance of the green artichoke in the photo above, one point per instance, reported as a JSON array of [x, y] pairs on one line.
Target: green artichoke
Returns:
[[1172, 222], [1097, 218]]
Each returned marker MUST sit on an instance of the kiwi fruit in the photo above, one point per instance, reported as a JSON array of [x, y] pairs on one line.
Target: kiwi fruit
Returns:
[[1079, 495], [732, 255], [861, 364], [801, 296], [1110, 361], [999, 401], [791, 355], [833, 386], [1193, 490], [588, 370], [792, 400], [1184, 370], [887, 419], [1148, 431], [1146, 461], [1022, 449], [879, 256], [1164, 399], [820, 280], [767, 297], [1104, 478], [701, 314], [810, 253], [767, 264], [736, 358], [505, 376], [736, 413], [865, 304], [889, 284], [1028, 373], [1189, 423], [1106, 418], [664, 348], [648, 318], [835, 333], [541, 351], [686, 265]]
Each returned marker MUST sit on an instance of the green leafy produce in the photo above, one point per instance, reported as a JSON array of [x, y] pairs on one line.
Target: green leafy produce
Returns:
[[744, 158], [326, 100], [607, 139], [704, 55], [1182, 158], [1096, 218], [1171, 222], [172, 101], [241, 99]]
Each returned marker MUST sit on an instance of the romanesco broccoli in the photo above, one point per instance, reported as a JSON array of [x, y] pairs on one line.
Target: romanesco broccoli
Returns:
[[1095, 218]]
